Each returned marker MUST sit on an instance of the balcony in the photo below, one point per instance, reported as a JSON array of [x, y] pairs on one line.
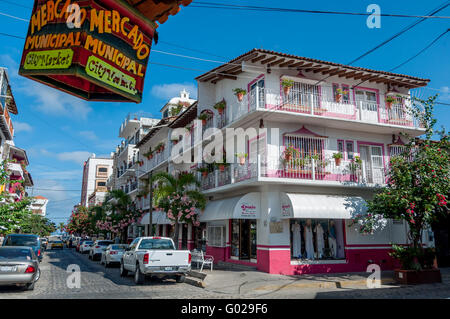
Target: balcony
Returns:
[[16, 169], [306, 170], [6, 124], [155, 161], [322, 105]]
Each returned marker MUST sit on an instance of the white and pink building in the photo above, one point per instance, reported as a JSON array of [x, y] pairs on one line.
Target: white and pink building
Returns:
[[293, 215]]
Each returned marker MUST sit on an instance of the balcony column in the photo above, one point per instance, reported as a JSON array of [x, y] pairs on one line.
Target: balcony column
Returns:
[[216, 178], [311, 102], [313, 168]]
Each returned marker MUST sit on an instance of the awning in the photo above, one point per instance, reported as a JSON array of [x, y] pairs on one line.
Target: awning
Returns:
[[239, 207], [157, 218], [321, 206]]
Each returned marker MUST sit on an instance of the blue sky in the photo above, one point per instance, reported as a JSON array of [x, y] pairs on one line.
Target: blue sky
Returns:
[[59, 131]]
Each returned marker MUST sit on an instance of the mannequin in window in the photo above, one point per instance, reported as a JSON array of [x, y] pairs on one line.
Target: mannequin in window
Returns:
[[308, 235], [296, 240], [320, 243], [332, 239]]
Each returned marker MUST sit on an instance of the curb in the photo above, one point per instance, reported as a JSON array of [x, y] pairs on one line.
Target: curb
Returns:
[[194, 282], [328, 284]]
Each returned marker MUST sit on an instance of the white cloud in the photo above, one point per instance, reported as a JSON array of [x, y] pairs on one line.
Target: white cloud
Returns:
[[52, 101], [445, 95], [90, 135], [78, 156], [46, 99], [168, 91], [22, 127]]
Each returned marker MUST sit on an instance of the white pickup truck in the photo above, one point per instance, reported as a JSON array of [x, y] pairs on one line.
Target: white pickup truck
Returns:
[[155, 256]]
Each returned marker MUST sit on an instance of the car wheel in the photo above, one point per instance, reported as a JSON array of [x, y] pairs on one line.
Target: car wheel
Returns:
[[29, 286], [138, 276], [123, 271], [181, 278]]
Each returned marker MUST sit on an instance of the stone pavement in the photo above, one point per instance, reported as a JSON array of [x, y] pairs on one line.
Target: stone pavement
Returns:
[[100, 282], [254, 284]]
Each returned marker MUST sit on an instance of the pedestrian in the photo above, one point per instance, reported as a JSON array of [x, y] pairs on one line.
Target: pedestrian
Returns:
[[2, 238], [117, 240]]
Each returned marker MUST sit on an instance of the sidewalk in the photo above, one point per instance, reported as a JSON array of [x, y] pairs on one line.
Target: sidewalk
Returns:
[[248, 283]]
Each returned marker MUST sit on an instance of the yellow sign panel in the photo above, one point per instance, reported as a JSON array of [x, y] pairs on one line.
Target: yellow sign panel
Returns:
[[48, 60], [108, 74]]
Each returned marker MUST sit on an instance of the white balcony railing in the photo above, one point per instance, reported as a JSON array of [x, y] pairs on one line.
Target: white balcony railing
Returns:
[[320, 104]]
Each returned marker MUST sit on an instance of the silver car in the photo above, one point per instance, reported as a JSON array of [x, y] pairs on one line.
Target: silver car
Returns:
[[113, 254], [19, 265]]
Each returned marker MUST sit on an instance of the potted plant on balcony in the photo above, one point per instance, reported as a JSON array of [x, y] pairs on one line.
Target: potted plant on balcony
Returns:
[[160, 147], [220, 106], [203, 170], [337, 158], [389, 101], [242, 157], [175, 140], [240, 93], [149, 154], [203, 117], [339, 94], [287, 85], [289, 152], [222, 166]]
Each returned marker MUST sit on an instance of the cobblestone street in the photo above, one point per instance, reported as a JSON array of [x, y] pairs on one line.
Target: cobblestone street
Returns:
[[100, 282]]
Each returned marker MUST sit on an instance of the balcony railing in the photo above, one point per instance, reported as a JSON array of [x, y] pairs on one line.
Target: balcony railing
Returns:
[[320, 104], [320, 171], [156, 160]]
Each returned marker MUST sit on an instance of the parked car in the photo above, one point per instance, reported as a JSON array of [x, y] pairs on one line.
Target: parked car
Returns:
[[19, 265], [79, 243], [98, 247], [53, 244], [155, 256], [28, 240], [44, 242], [85, 246], [113, 254]]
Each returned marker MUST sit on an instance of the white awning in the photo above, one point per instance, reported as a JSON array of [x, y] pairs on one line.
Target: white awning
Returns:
[[157, 218], [239, 207], [321, 206]]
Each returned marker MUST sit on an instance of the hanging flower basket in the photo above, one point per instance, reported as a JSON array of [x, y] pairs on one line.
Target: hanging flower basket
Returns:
[[242, 157], [287, 85], [240, 93]]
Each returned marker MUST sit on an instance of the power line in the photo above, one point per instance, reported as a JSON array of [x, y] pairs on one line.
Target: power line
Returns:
[[211, 5], [11, 35], [432, 13], [16, 4], [421, 51], [13, 17]]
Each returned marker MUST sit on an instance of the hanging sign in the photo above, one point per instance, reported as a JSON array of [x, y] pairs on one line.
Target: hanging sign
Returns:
[[94, 49]]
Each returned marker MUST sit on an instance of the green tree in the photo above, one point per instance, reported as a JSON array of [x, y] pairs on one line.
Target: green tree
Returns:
[[179, 197], [37, 224], [12, 213], [417, 181]]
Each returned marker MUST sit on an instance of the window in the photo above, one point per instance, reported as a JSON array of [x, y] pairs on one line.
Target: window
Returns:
[[349, 149], [161, 244], [101, 183], [216, 236], [103, 170], [346, 90], [340, 146], [317, 239]]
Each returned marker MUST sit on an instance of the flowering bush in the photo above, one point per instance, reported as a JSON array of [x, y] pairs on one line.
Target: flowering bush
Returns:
[[181, 209]]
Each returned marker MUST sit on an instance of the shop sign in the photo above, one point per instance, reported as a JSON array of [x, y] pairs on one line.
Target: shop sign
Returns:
[[248, 210], [94, 49]]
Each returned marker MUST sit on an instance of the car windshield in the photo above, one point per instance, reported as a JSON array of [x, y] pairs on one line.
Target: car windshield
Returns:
[[21, 241], [19, 253], [88, 242], [104, 243], [165, 244], [119, 247], [56, 242]]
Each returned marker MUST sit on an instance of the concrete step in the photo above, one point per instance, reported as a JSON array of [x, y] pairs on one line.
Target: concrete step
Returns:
[[197, 274], [222, 265]]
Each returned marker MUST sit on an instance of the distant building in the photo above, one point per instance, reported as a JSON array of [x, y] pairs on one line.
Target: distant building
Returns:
[[96, 171], [39, 205]]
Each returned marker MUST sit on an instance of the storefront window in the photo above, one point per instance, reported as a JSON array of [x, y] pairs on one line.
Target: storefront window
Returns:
[[235, 238], [317, 239]]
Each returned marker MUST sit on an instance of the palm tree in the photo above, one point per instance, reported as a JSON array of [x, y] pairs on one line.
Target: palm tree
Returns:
[[61, 226], [184, 185], [117, 203]]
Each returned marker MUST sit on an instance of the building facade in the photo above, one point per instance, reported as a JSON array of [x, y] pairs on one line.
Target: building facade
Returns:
[[96, 171], [318, 137], [39, 205]]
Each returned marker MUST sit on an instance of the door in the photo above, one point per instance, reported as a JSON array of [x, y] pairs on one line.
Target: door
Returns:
[[244, 247], [184, 236], [372, 164], [366, 102], [257, 96]]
